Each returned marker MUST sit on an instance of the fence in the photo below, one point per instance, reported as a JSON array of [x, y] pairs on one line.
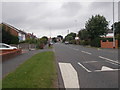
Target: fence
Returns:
[[25, 46]]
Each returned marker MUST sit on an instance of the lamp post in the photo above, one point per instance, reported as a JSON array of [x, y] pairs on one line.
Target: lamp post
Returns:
[[113, 28]]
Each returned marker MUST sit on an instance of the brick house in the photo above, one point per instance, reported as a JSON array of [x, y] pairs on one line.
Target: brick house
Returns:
[[15, 32]]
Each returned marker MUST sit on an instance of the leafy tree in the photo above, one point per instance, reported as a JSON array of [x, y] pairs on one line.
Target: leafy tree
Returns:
[[59, 36], [117, 28], [83, 34], [70, 36], [54, 39], [96, 26]]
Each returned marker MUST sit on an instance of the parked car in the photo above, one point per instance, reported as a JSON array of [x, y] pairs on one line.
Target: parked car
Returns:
[[66, 42], [4, 46]]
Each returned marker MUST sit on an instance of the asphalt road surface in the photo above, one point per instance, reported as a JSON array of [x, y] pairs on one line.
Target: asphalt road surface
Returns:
[[84, 67]]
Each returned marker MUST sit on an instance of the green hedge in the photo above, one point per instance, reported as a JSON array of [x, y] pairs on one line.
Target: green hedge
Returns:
[[95, 42]]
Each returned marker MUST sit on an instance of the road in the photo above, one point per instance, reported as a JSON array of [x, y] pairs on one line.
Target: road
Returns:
[[83, 67]]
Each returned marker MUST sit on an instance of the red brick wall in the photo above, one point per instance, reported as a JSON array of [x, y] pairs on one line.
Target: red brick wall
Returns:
[[108, 44]]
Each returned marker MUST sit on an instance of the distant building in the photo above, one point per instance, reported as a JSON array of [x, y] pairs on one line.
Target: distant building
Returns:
[[109, 34]]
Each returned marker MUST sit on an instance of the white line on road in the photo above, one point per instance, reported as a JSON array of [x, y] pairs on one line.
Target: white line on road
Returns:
[[90, 61], [84, 67], [69, 75], [109, 59], [86, 52]]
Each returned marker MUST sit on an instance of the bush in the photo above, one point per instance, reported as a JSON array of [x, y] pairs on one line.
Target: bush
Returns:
[[95, 42], [73, 42], [105, 39], [84, 42]]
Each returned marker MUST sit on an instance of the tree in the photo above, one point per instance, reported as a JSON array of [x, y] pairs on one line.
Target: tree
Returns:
[[70, 36], [96, 26], [116, 27], [54, 39], [83, 34], [60, 36]]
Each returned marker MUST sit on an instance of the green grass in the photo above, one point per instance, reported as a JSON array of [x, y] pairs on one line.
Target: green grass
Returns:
[[37, 72], [50, 47]]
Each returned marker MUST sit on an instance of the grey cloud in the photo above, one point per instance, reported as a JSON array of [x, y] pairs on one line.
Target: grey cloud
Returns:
[[40, 17]]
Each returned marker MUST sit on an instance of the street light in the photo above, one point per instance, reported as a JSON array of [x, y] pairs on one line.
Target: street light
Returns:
[[113, 28]]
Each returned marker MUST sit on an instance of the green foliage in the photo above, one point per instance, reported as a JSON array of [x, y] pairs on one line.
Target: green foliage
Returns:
[[70, 37], [83, 34], [105, 39], [42, 42], [54, 39], [72, 42], [8, 38], [96, 26], [116, 27], [37, 72], [95, 42], [84, 42]]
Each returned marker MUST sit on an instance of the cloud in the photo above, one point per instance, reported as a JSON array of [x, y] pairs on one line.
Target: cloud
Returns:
[[57, 17]]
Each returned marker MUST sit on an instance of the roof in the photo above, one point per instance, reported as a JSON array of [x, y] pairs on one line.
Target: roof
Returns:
[[11, 26], [110, 31]]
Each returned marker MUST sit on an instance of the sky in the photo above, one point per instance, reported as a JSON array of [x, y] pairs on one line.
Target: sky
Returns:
[[54, 18]]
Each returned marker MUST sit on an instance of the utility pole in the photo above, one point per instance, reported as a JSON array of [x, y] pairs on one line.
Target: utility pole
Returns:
[[68, 31], [113, 28]]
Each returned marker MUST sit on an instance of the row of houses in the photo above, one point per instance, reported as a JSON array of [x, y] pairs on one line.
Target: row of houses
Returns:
[[22, 35]]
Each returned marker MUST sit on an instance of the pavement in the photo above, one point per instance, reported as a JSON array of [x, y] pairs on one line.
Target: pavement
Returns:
[[83, 67], [11, 64]]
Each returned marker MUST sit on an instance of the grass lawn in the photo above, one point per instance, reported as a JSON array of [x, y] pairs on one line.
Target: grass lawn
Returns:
[[37, 72]]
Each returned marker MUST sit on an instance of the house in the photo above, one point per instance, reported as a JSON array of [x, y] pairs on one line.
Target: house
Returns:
[[14, 31], [22, 35], [30, 36], [109, 34]]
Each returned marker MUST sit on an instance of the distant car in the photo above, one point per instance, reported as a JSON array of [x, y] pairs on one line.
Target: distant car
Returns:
[[66, 42], [51, 43], [4, 46]]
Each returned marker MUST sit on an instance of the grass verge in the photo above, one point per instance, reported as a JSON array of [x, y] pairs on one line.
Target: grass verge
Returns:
[[37, 72]]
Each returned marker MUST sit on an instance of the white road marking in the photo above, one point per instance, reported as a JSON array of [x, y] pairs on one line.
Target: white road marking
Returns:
[[90, 61], [105, 68], [86, 52], [109, 59], [69, 75], [113, 63], [84, 67]]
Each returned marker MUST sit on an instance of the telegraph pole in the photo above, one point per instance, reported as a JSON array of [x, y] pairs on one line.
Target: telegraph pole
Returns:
[[113, 28]]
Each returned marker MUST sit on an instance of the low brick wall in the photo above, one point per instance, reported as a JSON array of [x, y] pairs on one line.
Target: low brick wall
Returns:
[[108, 44], [7, 54]]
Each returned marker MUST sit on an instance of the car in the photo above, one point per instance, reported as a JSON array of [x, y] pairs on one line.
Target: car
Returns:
[[66, 42], [4, 46]]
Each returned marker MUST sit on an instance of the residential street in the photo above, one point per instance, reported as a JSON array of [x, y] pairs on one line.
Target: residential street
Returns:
[[85, 67]]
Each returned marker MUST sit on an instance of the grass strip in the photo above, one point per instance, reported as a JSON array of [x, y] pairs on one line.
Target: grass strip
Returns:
[[37, 72]]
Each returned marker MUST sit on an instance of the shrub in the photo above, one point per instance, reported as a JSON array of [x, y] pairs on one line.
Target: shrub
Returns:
[[95, 42], [84, 42]]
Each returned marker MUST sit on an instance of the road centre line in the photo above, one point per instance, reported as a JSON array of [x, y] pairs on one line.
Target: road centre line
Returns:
[[90, 61], [84, 67], [86, 52], [108, 59]]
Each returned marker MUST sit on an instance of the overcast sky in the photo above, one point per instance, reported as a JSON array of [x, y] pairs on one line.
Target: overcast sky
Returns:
[[54, 18]]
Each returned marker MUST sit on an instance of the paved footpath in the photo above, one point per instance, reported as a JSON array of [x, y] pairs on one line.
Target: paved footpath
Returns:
[[11, 64]]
